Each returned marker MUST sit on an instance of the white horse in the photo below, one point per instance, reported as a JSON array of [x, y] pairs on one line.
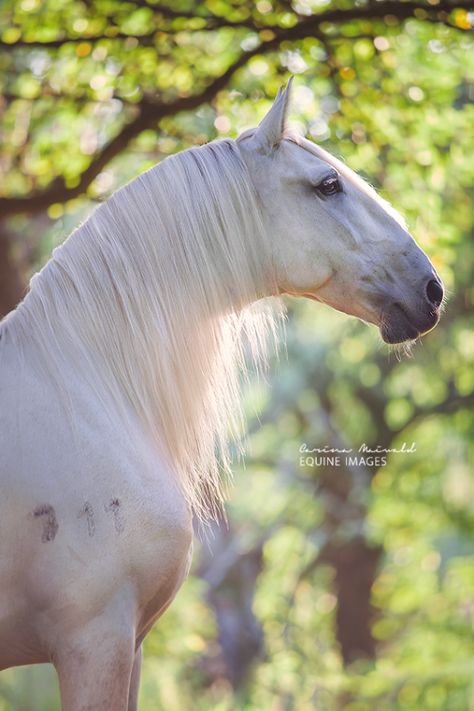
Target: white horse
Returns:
[[118, 381]]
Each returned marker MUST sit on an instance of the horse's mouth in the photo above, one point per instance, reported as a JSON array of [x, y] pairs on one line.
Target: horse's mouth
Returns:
[[396, 326]]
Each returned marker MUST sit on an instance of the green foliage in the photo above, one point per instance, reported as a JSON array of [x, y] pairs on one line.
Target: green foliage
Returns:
[[393, 95]]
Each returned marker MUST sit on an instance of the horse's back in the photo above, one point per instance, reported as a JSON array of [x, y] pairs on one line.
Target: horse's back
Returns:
[[88, 512]]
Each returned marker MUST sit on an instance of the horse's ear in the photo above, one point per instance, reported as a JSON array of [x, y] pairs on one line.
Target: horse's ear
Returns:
[[270, 130]]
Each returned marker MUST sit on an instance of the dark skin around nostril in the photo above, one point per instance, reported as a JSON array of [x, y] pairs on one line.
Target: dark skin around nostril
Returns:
[[434, 292]]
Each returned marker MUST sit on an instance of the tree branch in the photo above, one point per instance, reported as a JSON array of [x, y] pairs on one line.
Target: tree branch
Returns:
[[149, 113], [306, 27], [211, 22], [401, 10], [60, 42], [453, 402]]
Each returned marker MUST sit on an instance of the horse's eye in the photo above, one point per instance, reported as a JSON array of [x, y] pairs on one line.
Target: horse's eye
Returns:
[[330, 185]]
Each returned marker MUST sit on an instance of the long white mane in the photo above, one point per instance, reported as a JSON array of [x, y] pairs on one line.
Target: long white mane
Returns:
[[150, 299]]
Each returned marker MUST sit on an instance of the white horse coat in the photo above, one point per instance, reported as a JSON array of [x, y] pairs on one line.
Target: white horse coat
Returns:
[[118, 381]]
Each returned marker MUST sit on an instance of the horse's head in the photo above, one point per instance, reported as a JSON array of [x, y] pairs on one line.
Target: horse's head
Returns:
[[333, 238]]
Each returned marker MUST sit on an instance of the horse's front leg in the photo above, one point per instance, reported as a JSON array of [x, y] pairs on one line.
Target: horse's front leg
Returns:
[[94, 665], [135, 681]]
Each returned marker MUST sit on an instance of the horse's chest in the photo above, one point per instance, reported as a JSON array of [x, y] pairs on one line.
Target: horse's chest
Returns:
[[92, 511], [142, 521], [157, 549]]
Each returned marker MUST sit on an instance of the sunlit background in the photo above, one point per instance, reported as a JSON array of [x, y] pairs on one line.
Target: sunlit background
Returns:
[[333, 588]]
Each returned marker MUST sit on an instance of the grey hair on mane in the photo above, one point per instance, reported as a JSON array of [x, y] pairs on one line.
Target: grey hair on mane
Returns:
[[150, 300]]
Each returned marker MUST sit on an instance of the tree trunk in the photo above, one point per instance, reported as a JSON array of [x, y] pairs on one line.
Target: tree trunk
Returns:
[[12, 280]]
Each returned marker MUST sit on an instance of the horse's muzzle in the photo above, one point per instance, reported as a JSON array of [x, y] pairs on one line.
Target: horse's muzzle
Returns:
[[399, 323]]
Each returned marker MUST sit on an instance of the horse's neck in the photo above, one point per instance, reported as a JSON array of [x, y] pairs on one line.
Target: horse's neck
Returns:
[[148, 299], [101, 302]]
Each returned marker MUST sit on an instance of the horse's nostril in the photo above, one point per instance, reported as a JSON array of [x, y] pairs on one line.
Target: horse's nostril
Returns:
[[434, 292]]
